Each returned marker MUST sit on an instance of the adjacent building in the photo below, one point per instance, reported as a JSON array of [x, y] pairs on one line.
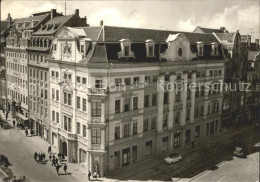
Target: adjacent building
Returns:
[[120, 99], [38, 51]]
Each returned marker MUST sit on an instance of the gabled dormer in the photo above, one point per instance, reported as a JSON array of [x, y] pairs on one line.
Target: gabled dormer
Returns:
[[214, 49], [200, 48], [149, 46], [125, 52]]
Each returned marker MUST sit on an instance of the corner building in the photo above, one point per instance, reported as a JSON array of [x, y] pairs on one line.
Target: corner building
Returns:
[[110, 112]]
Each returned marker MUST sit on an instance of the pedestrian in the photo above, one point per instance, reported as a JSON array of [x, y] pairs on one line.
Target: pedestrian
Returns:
[[89, 175], [50, 157], [95, 175], [35, 156], [49, 149], [56, 161], [43, 156], [53, 161], [14, 123], [65, 168], [26, 132], [57, 169], [40, 158]]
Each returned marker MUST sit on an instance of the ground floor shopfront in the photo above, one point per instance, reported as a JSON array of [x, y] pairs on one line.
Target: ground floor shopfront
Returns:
[[126, 151], [39, 128], [75, 150]]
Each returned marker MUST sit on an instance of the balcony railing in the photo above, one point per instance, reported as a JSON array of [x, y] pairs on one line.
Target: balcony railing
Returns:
[[95, 146], [98, 90]]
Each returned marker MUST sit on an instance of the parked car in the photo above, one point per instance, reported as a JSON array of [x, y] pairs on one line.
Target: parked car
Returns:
[[239, 152], [173, 158]]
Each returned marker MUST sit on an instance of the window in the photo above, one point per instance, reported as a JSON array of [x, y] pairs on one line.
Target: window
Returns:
[[148, 148], [53, 94], [164, 143], [189, 74], [165, 120], [78, 102], [177, 117], [187, 136], [117, 106], [134, 128], [177, 140], [154, 78], [201, 110], [127, 104], [203, 73], [127, 50], [200, 51], [57, 117], [136, 80], [147, 79], [82, 48], [146, 101], [150, 50], [117, 132], [57, 95], [84, 81], [118, 81], [178, 76], [197, 131], [153, 124], [196, 113], [126, 130], [146, 124], [53, 115], [78, 128], [134, 153], [69, 124], [219, 72], [52, 73], [135, 103], [154, 99], [78, 79], [69, 99], [84, 102], [209, 109], [126, 157], [65, 98], [84, 132], [98, 84], [96, 109], [96, 136], [211, 73], [127, 81], [165, 98]]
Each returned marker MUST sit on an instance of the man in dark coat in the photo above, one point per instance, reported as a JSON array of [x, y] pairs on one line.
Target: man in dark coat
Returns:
[[26, 132], [50, 157], [89, 175], [14, 123], [65, 168], [49, 149], [56, 161], [35, 156], [53, 161], [57, 169]]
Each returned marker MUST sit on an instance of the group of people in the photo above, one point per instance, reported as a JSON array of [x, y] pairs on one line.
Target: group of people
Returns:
[[56, 161], [39, 157], [95, 175]]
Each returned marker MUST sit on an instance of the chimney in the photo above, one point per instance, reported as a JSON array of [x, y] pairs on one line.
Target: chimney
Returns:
[[248, 40], [9, 18], [222, 29], [53, 13], [101, 23], [77, 12]]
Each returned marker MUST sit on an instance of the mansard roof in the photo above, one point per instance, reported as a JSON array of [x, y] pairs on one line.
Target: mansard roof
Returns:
[[208, 30], [27, 23]]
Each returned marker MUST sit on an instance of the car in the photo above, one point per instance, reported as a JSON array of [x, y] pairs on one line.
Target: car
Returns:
[[173, 158], [239, 152]]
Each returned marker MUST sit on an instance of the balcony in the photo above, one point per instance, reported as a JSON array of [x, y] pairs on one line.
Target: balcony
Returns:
[[99, 91], [95, 146], [128, 114], [95, 120]]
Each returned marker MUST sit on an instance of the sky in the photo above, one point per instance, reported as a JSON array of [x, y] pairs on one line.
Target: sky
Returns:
[[179, 15]]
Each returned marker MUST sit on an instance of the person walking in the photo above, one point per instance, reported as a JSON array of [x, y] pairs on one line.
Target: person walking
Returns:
[[56, 161], [95, 175], [26, 132], [53, 161], [89, 175], [49, 149], [50, 157], [40, 158], [14, 123], [35, 156], [57, 169], [65, 168]]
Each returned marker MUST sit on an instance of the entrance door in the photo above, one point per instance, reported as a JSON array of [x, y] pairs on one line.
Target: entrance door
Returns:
[[64, 148], [117, 159]]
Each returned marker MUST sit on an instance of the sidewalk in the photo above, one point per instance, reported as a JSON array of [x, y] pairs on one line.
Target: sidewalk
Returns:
[[187, 153]]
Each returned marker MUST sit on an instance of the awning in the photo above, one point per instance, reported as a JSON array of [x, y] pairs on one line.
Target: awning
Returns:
[[22, 117]]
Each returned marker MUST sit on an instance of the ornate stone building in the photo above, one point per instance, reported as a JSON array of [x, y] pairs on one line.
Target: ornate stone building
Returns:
[[118, 102]]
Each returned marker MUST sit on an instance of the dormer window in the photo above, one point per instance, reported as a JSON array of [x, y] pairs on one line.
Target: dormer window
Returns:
[[200, 46], [149, 45], [125, 49], [82, 48], [214, 48]]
